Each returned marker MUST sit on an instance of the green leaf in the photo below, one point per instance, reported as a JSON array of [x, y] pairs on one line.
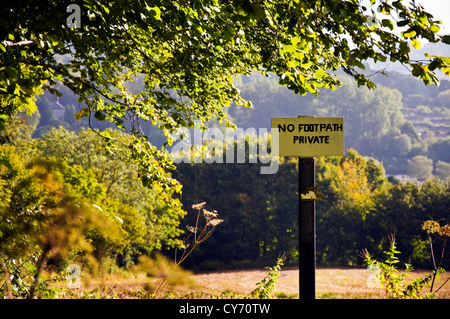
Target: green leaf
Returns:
[[258, 12], [403, 23], [410, 34], [387, 23], [292, 63], [417, 69], [99, 116], [11, 72], [5, 161], [416, 44], [83, 113], [404, 47], [185, 38], [433, 65], [156, 12], [435, 28], [319, 74], [446, 39]]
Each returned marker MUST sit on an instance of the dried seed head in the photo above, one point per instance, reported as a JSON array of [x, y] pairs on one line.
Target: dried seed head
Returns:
[[209, 215], [198, 206], [445, 230], [214, 222], [192, 229], [431, 226]]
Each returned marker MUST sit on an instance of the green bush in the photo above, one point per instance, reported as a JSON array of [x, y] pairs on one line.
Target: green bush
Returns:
[[392, 280]]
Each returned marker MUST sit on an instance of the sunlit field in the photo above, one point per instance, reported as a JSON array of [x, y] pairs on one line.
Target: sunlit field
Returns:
[[331, 283]]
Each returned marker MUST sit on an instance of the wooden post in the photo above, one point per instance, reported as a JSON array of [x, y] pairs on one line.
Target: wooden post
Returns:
[[307, 229]]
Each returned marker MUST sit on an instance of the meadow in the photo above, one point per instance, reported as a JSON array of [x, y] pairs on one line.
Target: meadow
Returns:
[[331, 283]]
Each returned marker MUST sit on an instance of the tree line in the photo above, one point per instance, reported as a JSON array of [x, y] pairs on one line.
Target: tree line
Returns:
[[374, 123], [360, 208], [64, 199]]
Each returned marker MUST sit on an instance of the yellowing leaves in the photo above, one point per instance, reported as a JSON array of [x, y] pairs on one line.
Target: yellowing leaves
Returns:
[[319, 74], [292, 64], [53, 188], [416, 44], [435, 28], [409, 34], [446, 71], [83, 113], [352, 185]]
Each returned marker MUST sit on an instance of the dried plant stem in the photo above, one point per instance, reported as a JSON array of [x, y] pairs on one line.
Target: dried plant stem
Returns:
[[205, 233], [442, 284], [161, 285], [435, 272]]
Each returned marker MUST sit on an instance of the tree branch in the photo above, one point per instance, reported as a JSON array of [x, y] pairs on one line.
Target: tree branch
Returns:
[[7, 280], [18, 44], [39, 268]]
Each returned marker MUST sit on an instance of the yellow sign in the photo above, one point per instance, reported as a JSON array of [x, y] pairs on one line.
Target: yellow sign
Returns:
[[309, 136]]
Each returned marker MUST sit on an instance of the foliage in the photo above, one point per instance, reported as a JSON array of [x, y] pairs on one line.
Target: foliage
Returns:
[[150, 215], [44, 196], [401, 209], [123, 219], [370, 117], [443, 170], [394, 283], [260, 211], [266, 287], [50, 206], [161, 268], [19, 279], [420, 167], [443, 232], [80, 206], [374, 123], [260, 216], [351, 184], [199, 234], [189, 53]]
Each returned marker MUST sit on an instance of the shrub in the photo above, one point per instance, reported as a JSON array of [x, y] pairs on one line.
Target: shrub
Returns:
[[392, 280], [266, 288]]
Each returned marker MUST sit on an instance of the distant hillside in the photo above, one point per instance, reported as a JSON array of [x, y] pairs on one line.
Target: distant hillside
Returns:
[[440, 49], [400, 119]]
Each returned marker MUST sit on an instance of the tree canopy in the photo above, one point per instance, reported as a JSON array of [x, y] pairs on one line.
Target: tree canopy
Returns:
[[189, 53]]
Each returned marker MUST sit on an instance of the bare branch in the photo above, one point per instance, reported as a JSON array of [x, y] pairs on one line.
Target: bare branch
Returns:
[[17, 44]]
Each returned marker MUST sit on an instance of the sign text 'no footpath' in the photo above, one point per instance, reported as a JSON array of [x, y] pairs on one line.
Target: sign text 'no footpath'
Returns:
[[310, 136]]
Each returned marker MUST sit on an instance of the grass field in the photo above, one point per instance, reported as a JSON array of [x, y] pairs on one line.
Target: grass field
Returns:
[[331, 283]]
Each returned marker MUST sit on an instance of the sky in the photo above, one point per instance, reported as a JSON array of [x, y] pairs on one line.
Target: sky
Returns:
[[440, 9]]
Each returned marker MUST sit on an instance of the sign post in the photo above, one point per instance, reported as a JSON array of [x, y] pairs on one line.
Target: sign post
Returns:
[[307, 229], [307, 137]]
